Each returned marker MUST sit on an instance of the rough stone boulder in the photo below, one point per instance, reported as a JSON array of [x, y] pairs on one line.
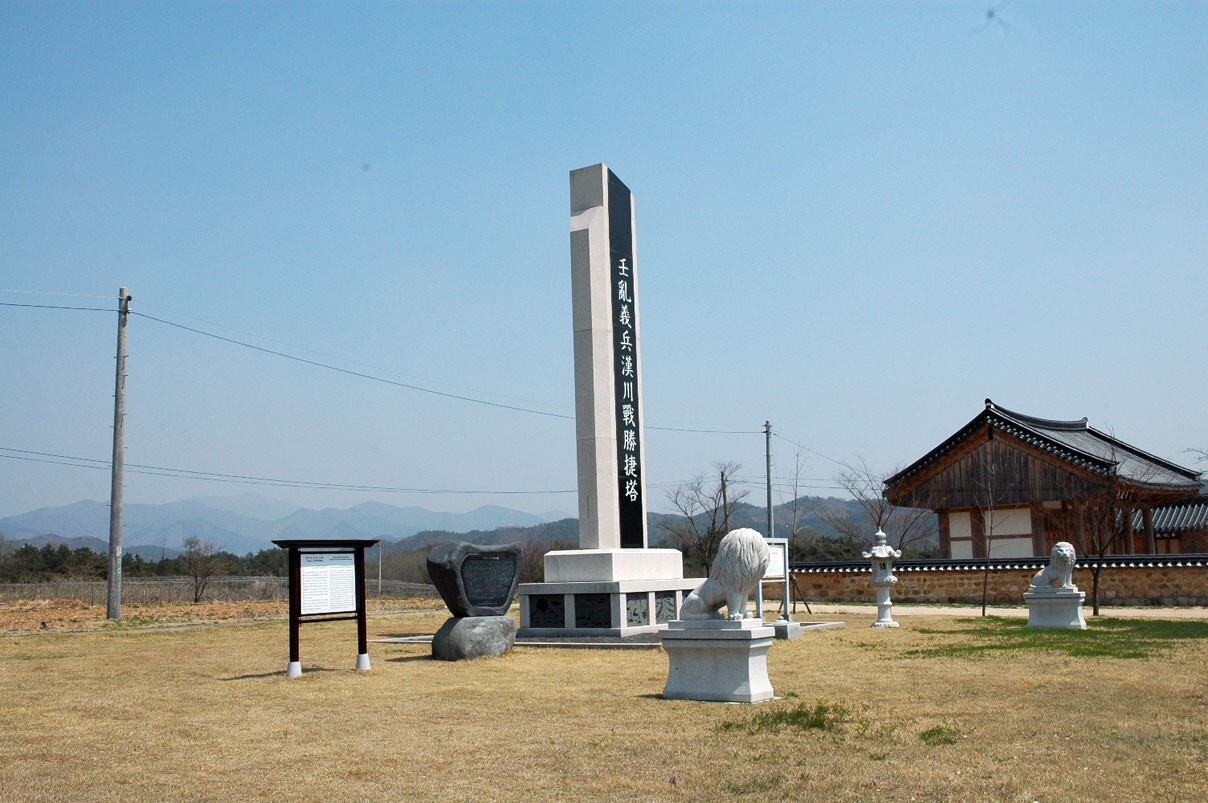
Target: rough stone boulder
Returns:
[[464, 637]]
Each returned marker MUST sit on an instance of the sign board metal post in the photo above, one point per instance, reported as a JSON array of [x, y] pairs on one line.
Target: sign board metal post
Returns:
[[326, 584]]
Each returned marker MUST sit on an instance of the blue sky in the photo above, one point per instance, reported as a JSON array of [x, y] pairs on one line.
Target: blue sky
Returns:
[[857, 220]]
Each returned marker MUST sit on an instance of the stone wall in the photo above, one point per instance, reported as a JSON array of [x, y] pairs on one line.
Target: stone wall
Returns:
[[1119, 585]]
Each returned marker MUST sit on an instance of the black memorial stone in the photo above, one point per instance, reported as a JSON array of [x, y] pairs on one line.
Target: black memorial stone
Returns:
[[593, 610], [547, 610], [476, 580]]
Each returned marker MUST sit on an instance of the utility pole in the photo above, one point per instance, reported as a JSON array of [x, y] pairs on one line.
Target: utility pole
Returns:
[[767, 450], [113, 594]]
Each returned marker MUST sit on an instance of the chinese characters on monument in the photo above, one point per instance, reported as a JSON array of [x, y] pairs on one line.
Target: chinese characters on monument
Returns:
[[625, 364]]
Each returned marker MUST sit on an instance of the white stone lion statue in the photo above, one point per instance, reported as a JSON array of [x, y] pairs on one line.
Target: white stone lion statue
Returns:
[[1059, 574], [742, 558]]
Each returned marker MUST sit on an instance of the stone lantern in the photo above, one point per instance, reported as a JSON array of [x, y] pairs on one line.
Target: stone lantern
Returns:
[[883, 556]]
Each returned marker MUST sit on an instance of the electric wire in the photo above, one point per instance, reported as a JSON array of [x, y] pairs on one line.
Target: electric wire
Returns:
[[339, 358], [214, 476], [15, 292], [805, 448], [81, 462], [410, 386], [350, 372], [57, 307]]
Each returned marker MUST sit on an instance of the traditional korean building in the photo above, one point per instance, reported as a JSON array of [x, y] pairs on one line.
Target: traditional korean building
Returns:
[[1013, 485]]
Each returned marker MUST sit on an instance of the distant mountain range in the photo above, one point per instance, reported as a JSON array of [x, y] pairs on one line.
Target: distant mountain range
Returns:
[[246, 523], [249, 523]]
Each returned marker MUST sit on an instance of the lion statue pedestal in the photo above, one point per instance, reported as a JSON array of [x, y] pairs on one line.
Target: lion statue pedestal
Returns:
[[722, 658], [1054, 602]]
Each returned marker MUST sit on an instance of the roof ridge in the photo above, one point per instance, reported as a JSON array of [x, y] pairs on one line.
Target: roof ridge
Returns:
[[1031, 420], [1169, 465]]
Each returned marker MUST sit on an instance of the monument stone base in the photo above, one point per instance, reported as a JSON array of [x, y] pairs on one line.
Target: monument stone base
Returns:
[[466, 637], [1056, 610], [718, 660], [605, 592], [786, 630]]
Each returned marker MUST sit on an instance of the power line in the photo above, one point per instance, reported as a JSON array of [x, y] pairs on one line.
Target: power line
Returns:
[[808, 449], [15, 292], [56, 306], [341, 359], [350, 372], [708, 431], [418, 388], [246, 479]]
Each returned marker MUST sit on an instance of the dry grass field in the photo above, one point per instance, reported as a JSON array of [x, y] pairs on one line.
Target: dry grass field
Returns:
[[945, 708]]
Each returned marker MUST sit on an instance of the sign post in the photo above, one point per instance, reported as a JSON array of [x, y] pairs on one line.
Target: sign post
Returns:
[[326, 584]]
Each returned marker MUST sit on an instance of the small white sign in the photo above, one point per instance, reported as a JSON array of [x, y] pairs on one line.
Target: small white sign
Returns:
[[328, 583], [778, 566]]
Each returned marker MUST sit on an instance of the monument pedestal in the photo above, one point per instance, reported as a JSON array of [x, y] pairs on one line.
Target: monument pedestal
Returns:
[[467, 637], [785, 629], [884, 608], [605, 592], [718, 660], [1055, 610]]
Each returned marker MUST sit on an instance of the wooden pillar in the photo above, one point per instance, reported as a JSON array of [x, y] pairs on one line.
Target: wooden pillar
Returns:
[[945, 533], [358, 572], [977, 528], [1151, 541], [295, 603], [1039, 545], [1080, 527], [1128, 545]]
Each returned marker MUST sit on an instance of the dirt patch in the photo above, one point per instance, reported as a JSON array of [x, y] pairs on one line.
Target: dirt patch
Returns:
[[66, 615]]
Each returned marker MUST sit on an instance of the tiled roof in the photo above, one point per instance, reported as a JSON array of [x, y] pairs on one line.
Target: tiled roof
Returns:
[[1073, 441], [1172, 520], [1195, 560]]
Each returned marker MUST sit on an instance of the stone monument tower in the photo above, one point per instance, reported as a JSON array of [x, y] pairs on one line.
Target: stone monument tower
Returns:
[[613, 584]]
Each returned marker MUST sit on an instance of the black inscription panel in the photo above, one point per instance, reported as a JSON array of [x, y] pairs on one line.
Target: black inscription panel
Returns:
[[547, 610], [593, 610], [625, 364], [487, 579]]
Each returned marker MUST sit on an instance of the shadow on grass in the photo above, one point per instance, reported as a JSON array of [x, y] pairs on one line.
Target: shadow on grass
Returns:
[[1103, 638], [276, 674], [407, 659]]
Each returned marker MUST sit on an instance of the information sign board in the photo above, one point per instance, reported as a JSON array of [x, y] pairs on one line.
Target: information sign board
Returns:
[[776, 572], [777, 564], [326, 584], [329, 583]]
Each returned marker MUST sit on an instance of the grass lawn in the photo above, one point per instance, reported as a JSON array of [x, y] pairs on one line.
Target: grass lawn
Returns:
[[944, 708]]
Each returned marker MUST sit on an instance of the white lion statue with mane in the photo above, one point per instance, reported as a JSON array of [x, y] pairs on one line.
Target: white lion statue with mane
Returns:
[[742, 558], [1059, 574]]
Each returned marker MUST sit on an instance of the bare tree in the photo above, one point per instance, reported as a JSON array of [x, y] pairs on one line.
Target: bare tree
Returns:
[[705, 505], [905, 526], [532, 562], [200, 561], [1102, 515], [985, 509], [795, 505]]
